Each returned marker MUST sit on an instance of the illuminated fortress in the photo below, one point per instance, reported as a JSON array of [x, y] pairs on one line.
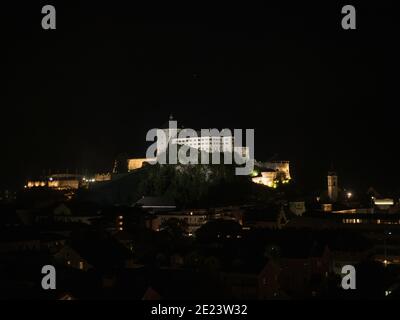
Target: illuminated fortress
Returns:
[[272, 172], [269, 173]]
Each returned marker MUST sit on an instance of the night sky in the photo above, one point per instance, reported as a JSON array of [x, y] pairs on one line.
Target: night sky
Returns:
[[315, 94]]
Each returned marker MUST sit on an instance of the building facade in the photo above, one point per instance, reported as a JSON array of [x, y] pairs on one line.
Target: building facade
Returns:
[[333, 188]]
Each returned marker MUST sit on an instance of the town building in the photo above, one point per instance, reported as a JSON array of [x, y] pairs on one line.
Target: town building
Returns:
[[193, 219], [333, 188], [272, 172]]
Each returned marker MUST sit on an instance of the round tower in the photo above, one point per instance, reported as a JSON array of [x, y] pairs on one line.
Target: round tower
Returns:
[[167, 132]]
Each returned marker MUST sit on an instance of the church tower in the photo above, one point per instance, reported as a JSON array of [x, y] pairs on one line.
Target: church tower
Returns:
[[332, 186]]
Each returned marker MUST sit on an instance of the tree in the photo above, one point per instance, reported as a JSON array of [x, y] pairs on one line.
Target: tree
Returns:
[[218, 229], [272, 251], [176, 228]]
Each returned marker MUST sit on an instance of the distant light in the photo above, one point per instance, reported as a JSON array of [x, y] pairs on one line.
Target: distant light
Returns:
[[191, 213], [120, 229], [383, 202], [190, 234], [385, 262], [50, 179], [120, 217], [349, 195]]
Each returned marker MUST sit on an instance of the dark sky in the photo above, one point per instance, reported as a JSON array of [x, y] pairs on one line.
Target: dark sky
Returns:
[[314, 93]]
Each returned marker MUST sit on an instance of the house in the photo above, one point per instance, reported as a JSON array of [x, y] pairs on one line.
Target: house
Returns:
[[219, 230], [297, 207], [193, 219], [25, 239], [96, 251], [70, 212], [278, 266], [70, 257], [125, 238], [156, 204], [347, 248], [301, 268], [229, 213], [271, 217]]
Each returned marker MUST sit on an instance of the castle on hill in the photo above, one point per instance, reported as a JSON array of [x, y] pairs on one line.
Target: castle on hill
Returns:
[[268, 174]]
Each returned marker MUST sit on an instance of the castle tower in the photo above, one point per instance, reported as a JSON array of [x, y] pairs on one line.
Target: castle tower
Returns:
[[169, 130], [332, 186]]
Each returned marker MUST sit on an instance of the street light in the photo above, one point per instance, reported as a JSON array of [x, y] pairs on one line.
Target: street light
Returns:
[[349, 195]]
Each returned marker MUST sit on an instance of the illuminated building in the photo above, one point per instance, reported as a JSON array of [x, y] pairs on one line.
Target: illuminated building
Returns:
[[281, 167], [66, 181], [272, 172], [203, 141], [102, 177], [137, 163], [326, 207], [267, 178], [210, 142], [383, 204], [193, 219], [297, 207], [57, 181]]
